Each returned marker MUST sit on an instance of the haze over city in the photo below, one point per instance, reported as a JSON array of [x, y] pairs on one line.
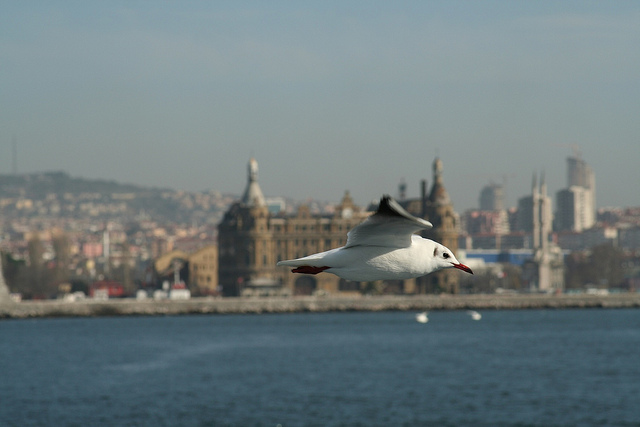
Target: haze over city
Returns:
[[327, 96]]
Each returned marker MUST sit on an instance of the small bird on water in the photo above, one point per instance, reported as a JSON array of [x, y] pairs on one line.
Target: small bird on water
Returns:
[[382, 247]]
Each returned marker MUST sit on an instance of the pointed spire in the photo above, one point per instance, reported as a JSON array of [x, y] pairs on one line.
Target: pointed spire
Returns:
[[437, 170], [346, 208], [253, 194], [438, 194]]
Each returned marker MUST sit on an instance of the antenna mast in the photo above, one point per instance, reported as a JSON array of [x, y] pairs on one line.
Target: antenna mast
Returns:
[[14, 156]]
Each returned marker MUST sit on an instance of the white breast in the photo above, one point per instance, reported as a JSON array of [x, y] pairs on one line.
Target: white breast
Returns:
[[371, 263]]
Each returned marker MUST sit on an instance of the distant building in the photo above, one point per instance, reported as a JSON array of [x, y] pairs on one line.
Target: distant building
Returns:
[[491, 256], [577, 203], [246, 254], [630, 237], [492, 198], [545, 270], [436, 207], [577, 241], [446, 228], [198, 270], [4, 289], [529, 211], [579, 173], [251, 240], [105, 289], [524, 215], [487, 222], [92, 250], [575, 209], [203, 270]]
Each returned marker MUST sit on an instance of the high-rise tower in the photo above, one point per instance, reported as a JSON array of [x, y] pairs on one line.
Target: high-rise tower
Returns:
[[492, 198], [577, 203]]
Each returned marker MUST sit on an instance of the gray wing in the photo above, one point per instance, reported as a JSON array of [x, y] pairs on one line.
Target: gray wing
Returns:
[[390, 226]]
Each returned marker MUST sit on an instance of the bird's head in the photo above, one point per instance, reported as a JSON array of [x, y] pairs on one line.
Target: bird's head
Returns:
[[444, 258]]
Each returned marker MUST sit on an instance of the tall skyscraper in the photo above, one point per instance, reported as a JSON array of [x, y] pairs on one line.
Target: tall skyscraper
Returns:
[[577, 203], [492, 198]]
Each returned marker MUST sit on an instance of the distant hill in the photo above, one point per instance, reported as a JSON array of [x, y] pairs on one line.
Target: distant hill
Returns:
[[58, 195], [39, 185]]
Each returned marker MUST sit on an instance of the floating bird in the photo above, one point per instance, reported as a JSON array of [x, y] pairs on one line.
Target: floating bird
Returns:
[[382, 247], [422, 317], [474, 315]]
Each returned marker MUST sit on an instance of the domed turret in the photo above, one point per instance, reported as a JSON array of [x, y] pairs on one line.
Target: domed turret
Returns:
[[439, 195], [253, 194]]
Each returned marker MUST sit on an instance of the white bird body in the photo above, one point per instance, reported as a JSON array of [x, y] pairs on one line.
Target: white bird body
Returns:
[[383, 247], [370, 263]]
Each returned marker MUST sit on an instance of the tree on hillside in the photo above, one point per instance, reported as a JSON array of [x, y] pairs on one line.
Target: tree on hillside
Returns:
[[605, 265], [600, 266], [37, 277], [62, 252], [122, 272], [15, 273]]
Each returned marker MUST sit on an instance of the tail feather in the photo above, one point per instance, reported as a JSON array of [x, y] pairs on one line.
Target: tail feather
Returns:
[[315, 260]]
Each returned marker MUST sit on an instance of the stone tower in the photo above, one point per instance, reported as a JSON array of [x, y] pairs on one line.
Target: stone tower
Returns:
[[4, 290], [545, 271], [439, 211], [245, 240]]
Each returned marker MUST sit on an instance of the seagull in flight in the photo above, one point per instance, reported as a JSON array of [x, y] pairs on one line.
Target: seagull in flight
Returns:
[[382, 247]]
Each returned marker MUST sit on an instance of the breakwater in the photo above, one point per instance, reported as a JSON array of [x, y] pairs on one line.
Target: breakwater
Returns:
[[124, 307]]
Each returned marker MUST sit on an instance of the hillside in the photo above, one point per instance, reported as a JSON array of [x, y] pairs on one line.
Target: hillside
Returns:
[[38, 185], [59, 195]]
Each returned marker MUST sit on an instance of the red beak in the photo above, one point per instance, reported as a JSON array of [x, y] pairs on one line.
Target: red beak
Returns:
[[463, 268]]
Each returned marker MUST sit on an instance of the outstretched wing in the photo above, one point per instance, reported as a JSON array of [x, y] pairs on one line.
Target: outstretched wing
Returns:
[[390, 226]]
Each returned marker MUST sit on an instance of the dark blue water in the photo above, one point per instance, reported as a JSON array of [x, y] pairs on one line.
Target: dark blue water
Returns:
[[512, 368]]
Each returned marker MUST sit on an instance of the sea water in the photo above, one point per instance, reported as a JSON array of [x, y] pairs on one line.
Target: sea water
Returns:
[[511, 368]]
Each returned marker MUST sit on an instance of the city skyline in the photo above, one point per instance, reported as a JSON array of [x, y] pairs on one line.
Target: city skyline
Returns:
[[327, 96], [399, 193]]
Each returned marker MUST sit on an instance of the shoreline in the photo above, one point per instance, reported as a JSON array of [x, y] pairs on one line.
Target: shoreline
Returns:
[[319, 304]]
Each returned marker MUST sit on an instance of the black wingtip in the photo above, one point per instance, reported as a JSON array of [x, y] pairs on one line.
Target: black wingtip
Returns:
[[389, 207], [386, 206]]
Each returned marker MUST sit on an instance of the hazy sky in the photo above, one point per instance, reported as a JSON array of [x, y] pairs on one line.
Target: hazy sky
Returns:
[[326, 95]]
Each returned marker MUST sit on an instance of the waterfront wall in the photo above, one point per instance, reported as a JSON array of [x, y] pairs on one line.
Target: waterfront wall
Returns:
[[124, 307]]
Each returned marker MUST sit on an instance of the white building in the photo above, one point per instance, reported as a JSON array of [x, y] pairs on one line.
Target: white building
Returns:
[[577, 203], [575, 209]]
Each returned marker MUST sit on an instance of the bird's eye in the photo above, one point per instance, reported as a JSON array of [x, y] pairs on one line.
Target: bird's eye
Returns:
[[445, 255]]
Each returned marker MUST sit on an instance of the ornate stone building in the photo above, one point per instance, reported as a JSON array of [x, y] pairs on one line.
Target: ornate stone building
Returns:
[[199, 269], [251, 241], [246, 255], [437, 208]]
